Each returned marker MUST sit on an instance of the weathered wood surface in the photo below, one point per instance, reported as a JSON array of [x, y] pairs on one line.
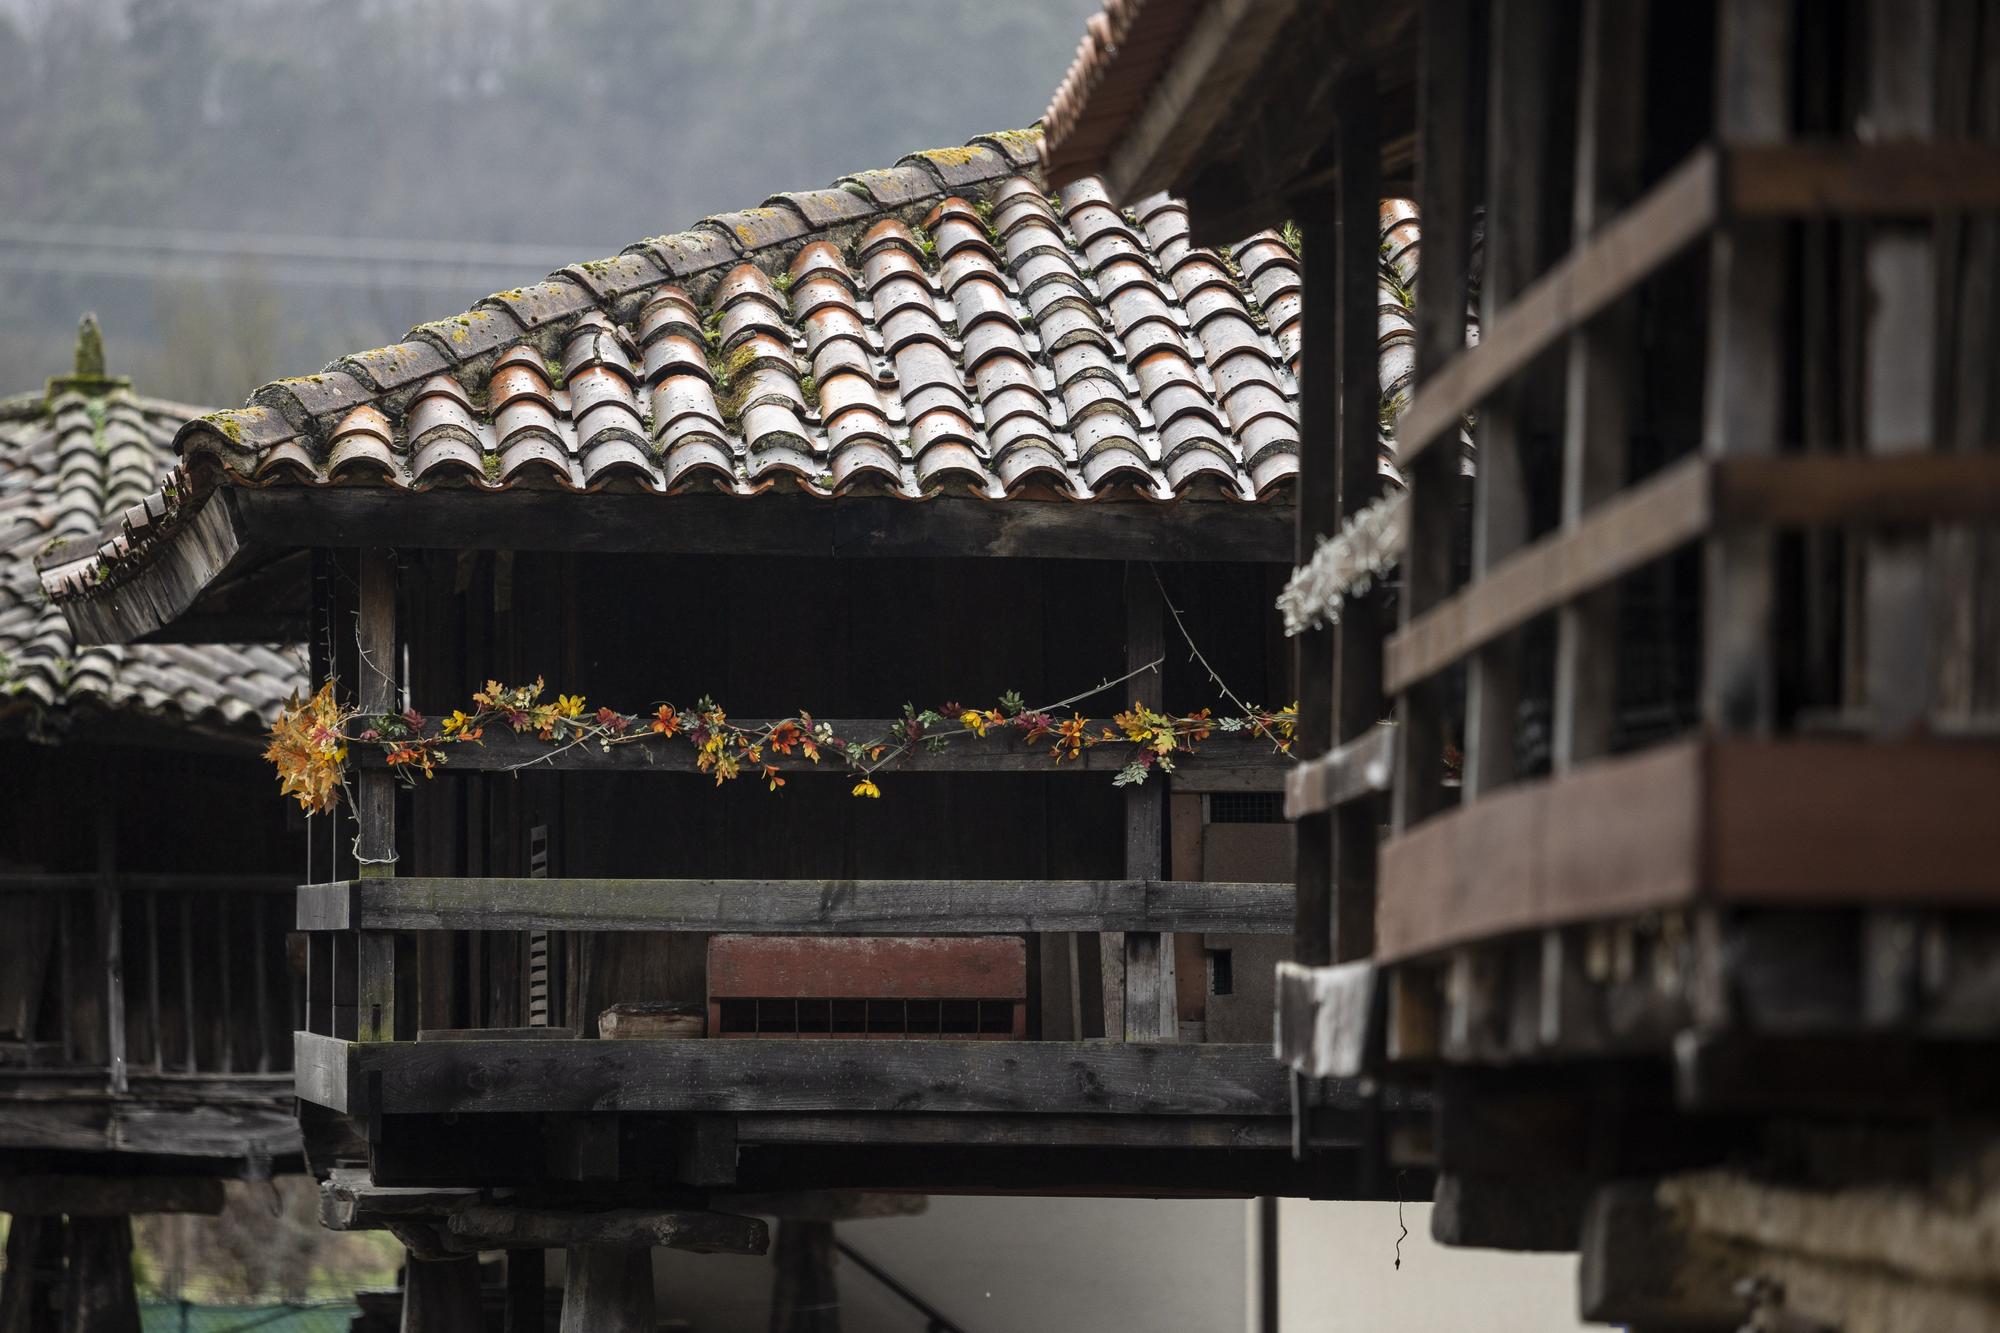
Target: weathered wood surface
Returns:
[[1271, 1130], [807, 1075], [1363, 767], [1896, 177], [804, 1296], [97, 1287], [796, 907], [319, 1069], [109, 1196], [887, 967], [479, 1225], [824, 1205], [608, 1289], [766, 524], [440, 1295], [350, 1201], [142, 1125], [1793, 822], [33, 1274], [205, 548], [1329, 1019], [1240, 757]]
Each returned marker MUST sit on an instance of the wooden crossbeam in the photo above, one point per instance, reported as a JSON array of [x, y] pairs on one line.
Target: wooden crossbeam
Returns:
[[1033, 1077], [1362, 767], [1767, 822], [797, 907]]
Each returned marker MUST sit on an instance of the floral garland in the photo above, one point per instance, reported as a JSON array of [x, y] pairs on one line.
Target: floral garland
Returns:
[[311, 739]]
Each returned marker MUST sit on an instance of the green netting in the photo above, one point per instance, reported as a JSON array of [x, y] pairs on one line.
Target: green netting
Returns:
[[190, 1317]]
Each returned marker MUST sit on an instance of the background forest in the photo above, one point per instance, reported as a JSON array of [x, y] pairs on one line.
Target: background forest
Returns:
[[249, 188]]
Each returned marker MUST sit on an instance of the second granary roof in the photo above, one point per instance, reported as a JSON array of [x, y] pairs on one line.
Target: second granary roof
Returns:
[[940, 327], [70, 459]]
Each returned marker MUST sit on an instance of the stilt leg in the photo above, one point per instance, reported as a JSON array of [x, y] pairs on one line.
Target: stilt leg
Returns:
[[805, 1299], [608, 1289], [34, 1274], [440, 1294], [97, 1290]]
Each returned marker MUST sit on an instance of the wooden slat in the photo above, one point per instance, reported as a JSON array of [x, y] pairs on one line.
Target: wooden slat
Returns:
[[796, 907], [1327, 1017], [1805, 490], [1362, 767], [1670, 217], [1015, 1131], [320, 1069], [1642, 524], [1760, 822], [1138, 1078], [1894, 178], [1241, 761]]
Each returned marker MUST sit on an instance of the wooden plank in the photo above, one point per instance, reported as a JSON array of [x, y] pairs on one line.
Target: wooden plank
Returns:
[[1151, 1009], [1843, 821], [1239, 761], [1671, 216], [1450, 107], [1358, 704], [1619, 835], [1642, 1266], [1358, 769], [1330, 1019], [476, 1225], [608, 1289], [1642, 524], [1011, 1131], [855, 527], [320, 1069], [1818, 489], [1088, 1078], [109, 1196], [375, 804], [1899, 176], [843, 967], [1742, 409], [1601, 356], [797, 907]]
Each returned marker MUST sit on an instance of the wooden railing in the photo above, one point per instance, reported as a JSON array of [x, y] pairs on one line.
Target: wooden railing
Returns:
[[1857, 794]]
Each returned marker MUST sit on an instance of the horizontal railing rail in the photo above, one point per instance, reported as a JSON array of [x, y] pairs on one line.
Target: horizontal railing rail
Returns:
[[797, 907]]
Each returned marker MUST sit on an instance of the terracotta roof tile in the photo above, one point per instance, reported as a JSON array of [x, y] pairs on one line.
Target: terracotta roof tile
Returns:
[[88, 456], [942, 324]]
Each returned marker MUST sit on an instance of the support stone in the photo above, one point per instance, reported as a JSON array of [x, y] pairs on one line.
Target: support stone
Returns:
[[608, 1289]]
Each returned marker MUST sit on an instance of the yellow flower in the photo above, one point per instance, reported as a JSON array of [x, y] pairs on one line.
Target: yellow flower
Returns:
[[976, 720], [569, 705], [866, 787], [455, 723]]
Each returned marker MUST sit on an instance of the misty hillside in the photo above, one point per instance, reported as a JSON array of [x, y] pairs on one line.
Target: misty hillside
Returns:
[[385, 162]]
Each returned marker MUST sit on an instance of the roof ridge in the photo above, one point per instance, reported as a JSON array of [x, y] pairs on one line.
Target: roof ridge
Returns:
[[541, 314]]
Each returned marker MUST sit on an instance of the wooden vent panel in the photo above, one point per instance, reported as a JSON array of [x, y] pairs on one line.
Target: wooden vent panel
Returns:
[[959, 989]]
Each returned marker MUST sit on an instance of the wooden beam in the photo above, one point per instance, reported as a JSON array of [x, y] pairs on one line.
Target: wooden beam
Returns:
[[477, 1225], [1897, 176], [922, 1128], [109, 1195], [855, 527], [1151, 1008], [1450, 122], [1358, 769], [1240, 761], [1034, 1077], [1642, 524], [375, 805], [1820, 489], [1331, 1020], [794, 907]]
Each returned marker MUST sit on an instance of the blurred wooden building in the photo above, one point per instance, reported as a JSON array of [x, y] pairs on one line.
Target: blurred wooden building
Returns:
[[1648, 818], [915, 472], [145, 999]]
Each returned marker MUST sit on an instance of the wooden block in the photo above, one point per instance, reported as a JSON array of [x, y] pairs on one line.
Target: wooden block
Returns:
[[653, 1020]]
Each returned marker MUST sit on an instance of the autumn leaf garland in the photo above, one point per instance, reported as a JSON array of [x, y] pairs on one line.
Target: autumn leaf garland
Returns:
[[311, 739]]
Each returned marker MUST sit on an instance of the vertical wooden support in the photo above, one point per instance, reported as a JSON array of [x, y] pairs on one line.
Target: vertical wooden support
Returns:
[[258, 944], [1357, 686], [153, 980], [607, 1289], [187, 982], [1745, 372], [1449, 115], [805, 1297], [375, 847], [1151, 1008], [1519, 88], [1899, 396], [1313, 683], [1610, 112], [440, 1295], [111, 948], [33, 1275], [97, 1288], [65, 989], [226, 1009], [527, 1298]]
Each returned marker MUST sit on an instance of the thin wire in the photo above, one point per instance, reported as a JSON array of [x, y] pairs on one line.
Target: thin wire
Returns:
[[1399, 1220]]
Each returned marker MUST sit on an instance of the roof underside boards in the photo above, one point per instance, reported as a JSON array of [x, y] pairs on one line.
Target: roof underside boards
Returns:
[[1228, 103], [69, 462], [943, 328]]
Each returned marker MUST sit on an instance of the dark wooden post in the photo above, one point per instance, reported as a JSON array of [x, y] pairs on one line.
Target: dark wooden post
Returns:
[[34, 1275], [805, 1297], [1746, 371], [97, 1288], [111, 949], [375, 965], [440, 1295], [1517, 186], [1610, 107], [608, 1289], [527, 1283], [1449, 116], [1151, 1007], [1357, 652]]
